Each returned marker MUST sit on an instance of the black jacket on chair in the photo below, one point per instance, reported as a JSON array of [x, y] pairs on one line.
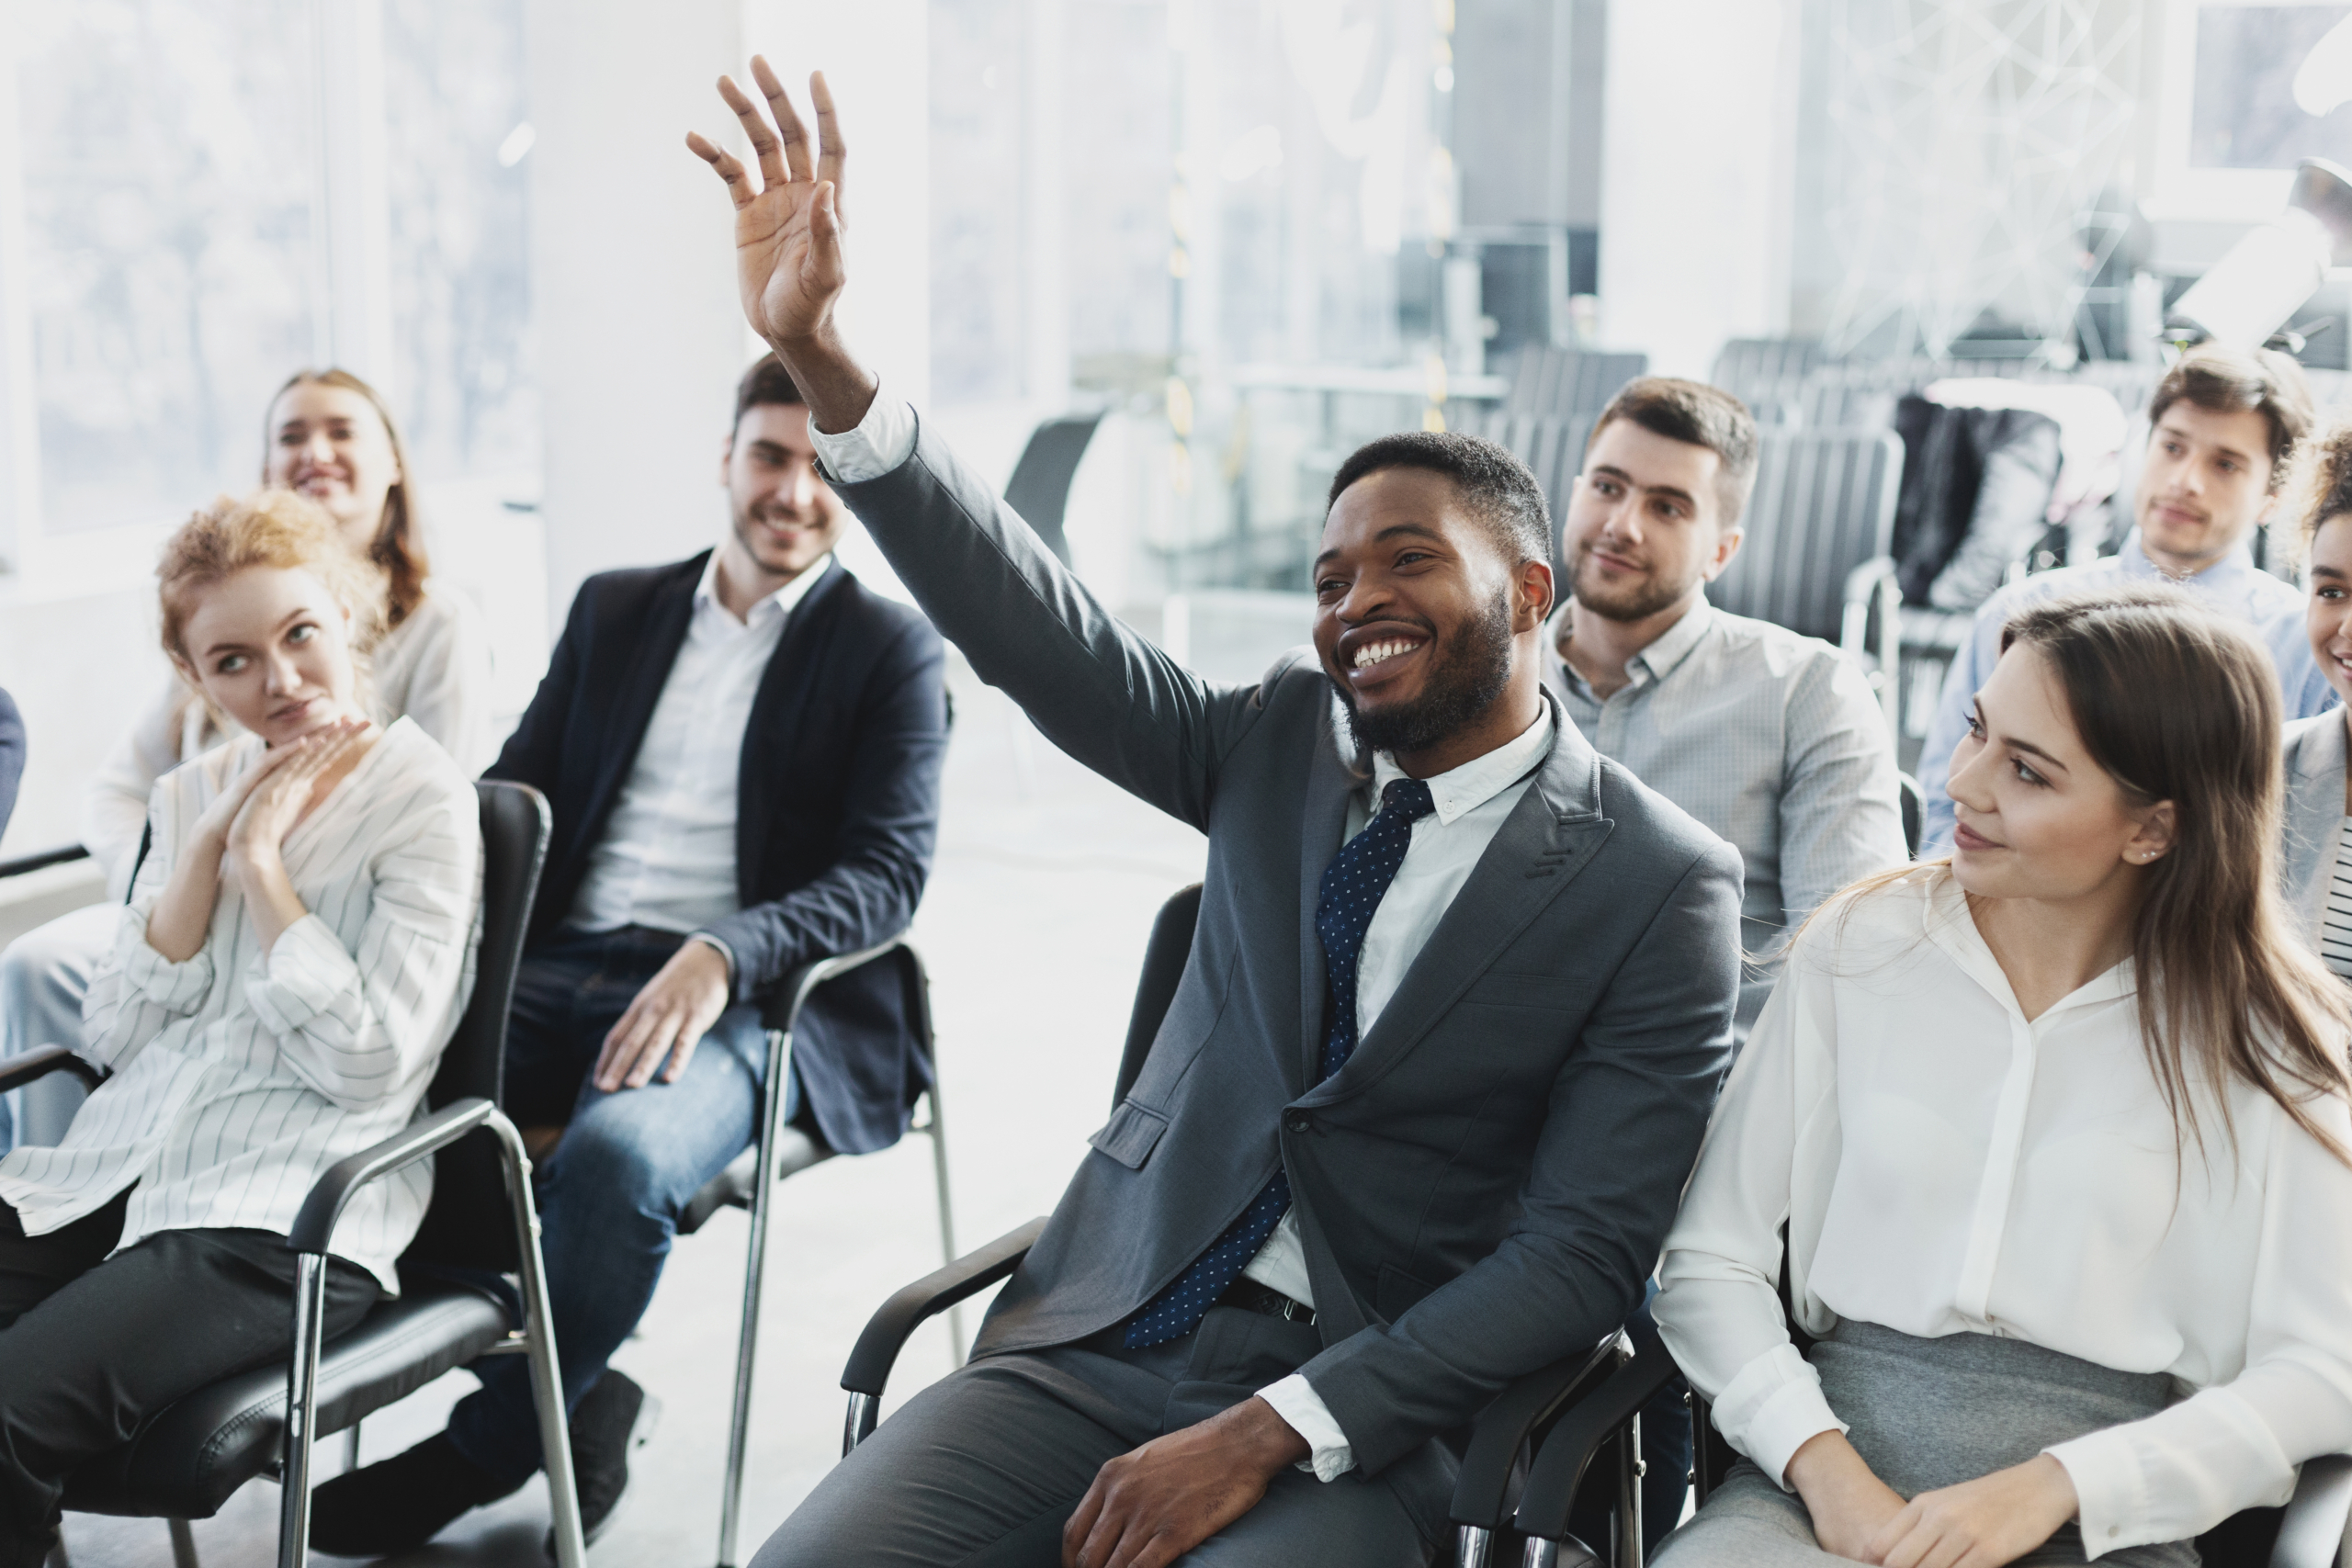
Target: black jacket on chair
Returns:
[[837, 805]]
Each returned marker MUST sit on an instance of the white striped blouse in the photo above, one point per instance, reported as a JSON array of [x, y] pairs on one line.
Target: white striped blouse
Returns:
[[2336, 909], [239, 1076]]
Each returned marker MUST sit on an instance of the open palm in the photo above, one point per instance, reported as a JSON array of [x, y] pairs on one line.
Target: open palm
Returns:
[[788, 261]]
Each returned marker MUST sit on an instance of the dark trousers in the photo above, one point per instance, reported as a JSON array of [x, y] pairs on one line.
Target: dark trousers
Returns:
[[91, 1346], [984, 1467], [611, 1194]]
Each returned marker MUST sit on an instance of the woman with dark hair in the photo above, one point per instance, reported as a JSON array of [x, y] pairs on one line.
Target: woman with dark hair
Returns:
[[2056, 1133], [328, 437]]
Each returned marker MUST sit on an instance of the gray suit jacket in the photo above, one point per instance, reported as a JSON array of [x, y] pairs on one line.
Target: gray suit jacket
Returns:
[[1485, 1185], [2315, 762]]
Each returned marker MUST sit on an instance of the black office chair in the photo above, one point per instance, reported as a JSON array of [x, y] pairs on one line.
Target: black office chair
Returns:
[[1486, 1487], [2307, 1533], [787, 1149], [187, 1458], [1039, 488], [1914, 813]]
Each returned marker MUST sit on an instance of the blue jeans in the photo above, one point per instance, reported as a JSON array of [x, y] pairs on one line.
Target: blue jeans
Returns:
[[610, 1195]]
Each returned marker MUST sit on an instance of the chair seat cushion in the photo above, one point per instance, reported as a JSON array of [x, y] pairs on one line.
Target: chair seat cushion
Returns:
[[186, 1461], [796, 1151]]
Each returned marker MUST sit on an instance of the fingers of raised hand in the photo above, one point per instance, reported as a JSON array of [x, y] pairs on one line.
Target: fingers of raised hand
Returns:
[[728, 167], [832, 150], [787, 119], [764, 145]]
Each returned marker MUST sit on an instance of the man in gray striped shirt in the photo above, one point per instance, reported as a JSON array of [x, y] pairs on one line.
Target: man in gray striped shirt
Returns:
[[1770, 739]]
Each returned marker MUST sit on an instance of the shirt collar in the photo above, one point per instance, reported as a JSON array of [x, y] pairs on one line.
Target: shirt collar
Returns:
[[1656, 662], [1461, 790], [2223, 573], [771, 607], [1948, 922]]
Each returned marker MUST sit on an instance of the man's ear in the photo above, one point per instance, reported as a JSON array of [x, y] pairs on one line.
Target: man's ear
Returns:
[[1534, 596], [726, 459], [1727, 546]]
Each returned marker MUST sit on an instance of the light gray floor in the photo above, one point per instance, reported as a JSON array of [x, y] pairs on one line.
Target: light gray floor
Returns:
[[1034, 926]]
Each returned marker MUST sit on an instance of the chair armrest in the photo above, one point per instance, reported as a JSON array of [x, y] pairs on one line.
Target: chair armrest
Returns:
[[1482, 1486], [40, 860], [1560, 1464], [1864, 586], [780, 1008], [314, 1224], [18, 1071], [2313, 1533], [888, 1330]]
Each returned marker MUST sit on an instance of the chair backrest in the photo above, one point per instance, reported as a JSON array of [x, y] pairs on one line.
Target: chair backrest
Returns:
[[1552, 446], [1914, 813], [468, 1224], [1746, 367], [1039, 488], [1559, 381], [1164, 957], [1823, 504]]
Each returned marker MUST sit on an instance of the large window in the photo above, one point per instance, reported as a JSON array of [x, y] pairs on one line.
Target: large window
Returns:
[[190, 172], [167, 171]]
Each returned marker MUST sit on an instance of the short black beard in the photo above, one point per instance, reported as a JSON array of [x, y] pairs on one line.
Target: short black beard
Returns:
[[1471, 671]]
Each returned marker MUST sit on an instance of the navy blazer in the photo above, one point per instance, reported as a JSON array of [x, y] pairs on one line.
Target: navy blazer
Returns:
[[837, 808]]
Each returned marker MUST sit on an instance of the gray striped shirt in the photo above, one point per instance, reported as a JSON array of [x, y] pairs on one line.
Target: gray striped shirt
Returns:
[[239, 1078]]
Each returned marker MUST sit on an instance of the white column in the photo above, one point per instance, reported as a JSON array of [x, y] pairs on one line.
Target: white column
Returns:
[[1045, 196], [351, 197], [19, 423], [1698, 165], [632, 263]]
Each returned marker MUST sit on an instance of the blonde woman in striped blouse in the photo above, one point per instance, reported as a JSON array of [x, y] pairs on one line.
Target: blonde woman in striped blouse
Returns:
[[296, 953]]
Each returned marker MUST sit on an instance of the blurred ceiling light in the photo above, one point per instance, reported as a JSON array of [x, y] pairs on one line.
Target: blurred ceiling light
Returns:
[[517, 145], [2262, 280], [1252, 152], [2324, 80]]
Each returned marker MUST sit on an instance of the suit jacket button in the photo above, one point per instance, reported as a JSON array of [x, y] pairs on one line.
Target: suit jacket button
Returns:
[[1299, 1121]]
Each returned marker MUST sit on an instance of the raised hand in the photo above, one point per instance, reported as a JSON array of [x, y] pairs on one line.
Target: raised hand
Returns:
[[788, 262], [788, 225]]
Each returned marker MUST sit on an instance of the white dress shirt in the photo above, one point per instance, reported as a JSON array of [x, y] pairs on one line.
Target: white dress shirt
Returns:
[[1945, 1165], [239, 1075], [1472, 801], [435, 667], [667, 857]]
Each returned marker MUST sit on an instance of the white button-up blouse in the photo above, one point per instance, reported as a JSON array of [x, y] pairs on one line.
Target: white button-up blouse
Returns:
[[239, 1076], [1946, 1166]]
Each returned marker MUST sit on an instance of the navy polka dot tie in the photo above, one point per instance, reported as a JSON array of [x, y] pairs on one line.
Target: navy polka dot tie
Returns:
[[1353, 886]]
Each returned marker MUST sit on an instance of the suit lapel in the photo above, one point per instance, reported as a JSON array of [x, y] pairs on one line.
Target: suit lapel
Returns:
[[1331, 782], [667, 614], [1545, 844], [773, 724]]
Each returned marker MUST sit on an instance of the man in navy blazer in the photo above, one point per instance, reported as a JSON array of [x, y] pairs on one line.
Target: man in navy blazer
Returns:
[[742, 751]]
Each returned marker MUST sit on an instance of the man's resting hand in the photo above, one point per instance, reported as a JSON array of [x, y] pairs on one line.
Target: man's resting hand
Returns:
[[666, 1020], [1147, 1509]]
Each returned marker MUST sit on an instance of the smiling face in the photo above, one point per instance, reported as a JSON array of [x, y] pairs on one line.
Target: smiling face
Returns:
[[328, 444], [2327, 614], [1644, 531], [271, 647], [1418, 610], [785, 517], [2205, 485], [2038, 818]]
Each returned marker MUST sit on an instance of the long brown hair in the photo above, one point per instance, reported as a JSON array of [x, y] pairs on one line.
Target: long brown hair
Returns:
[[397, 549], [2176, 704]]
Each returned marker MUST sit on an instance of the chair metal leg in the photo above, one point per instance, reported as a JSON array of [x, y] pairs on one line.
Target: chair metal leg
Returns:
[[1470, 1546], [1629, 1495], [539, 1333], [351, 1447], [301, 1389], [960, 1346], [183, 1547], [739, 1431]]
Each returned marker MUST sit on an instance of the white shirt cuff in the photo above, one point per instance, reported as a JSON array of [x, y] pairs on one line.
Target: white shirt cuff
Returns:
[[881, 441], [1295, 1401], [1773, 1408], [175, 987]]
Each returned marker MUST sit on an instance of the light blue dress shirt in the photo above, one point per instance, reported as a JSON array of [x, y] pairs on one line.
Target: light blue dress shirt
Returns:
[[2234, 586]]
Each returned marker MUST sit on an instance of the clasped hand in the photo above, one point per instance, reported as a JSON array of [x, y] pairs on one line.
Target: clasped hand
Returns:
[[1984, 1523]]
